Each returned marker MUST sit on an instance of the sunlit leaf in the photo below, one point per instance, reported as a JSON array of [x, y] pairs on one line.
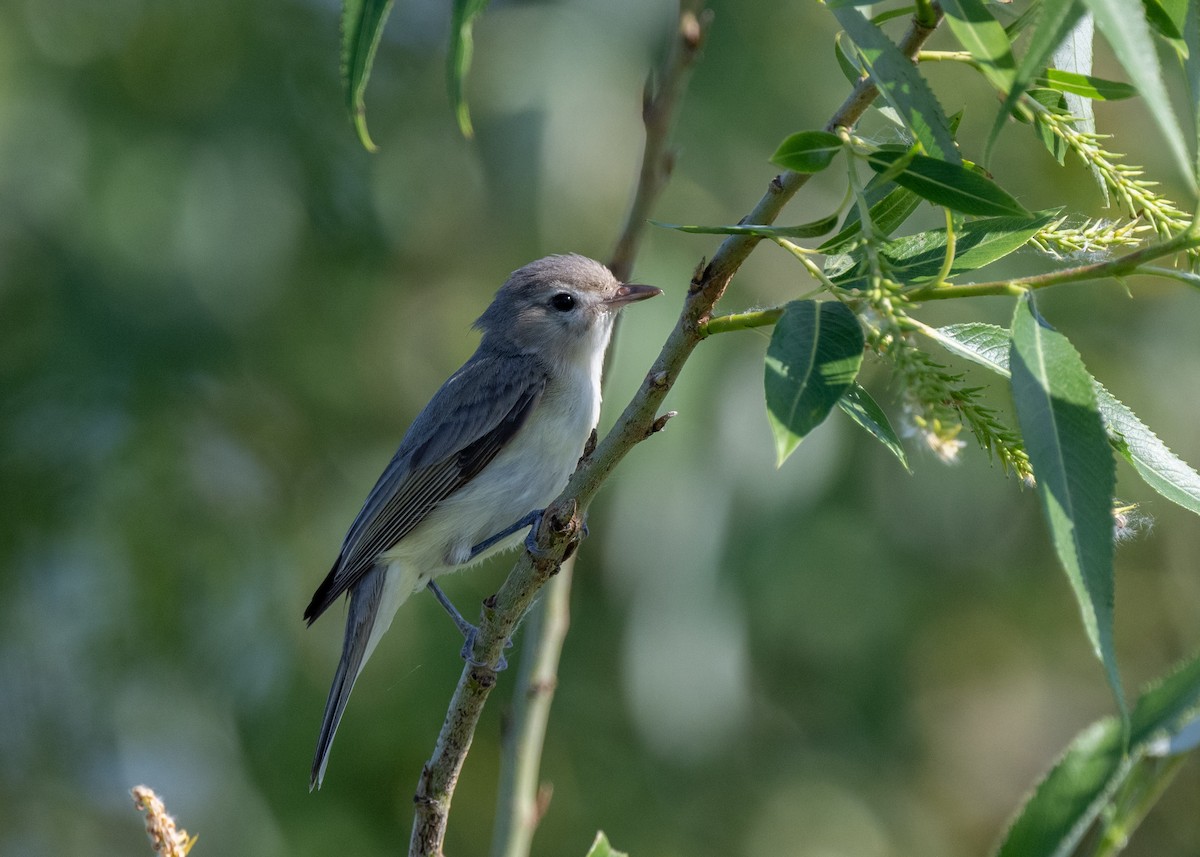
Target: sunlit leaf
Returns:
[[1166, 17], [857, 404], [1087, 782], [815, 353], [1191, 67], [901, 85], [1055, 102], [1074, 55], [601, 848], [1159, 467], [362, 26], [951, 185], [1095, 88], [1072, 462], [807, 151], [915, 259], [1054, 22], [1124, 26], [981, 34]]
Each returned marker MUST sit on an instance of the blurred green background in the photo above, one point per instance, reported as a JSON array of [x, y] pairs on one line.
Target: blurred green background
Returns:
[[218, 314]]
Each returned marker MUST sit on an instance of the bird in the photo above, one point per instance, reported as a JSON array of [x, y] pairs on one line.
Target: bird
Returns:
[[496, 443]]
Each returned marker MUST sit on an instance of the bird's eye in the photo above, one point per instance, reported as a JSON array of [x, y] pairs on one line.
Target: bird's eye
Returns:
[[563, 302]]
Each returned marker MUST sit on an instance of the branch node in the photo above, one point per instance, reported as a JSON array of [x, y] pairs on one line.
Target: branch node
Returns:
[[661, 423], [659, 379], [690, 30]]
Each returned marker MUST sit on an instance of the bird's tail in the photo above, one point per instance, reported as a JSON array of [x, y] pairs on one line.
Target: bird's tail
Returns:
[[373, 602]]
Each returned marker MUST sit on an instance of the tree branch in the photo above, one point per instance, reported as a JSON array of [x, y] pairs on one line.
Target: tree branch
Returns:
[[1122, 266], [561, 524]]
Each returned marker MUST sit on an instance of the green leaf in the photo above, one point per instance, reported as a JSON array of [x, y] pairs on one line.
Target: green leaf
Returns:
[[857, 404], [807, 151], [1166, 17], [804, 230], [901, 85], [985, 344], [601, 848], [1068, 449], [458, 60], [815, 353], [846, 60], [1091, 778], [1056, 102], [951, 185], [1159, 467], [918, 258], [1095, 88], [1191, 68], [1055, 21], [362, 26], [889, 206], [1070, 797], [981, 34], [1124, 25]]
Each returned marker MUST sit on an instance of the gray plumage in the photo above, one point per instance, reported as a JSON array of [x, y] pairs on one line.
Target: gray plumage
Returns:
[[497, 441]]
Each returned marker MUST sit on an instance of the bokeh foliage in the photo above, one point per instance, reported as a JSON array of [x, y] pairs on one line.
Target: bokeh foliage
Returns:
[[217, 315]]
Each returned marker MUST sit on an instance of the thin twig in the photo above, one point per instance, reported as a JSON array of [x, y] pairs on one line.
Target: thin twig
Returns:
[[561, 523], [1122, 266], [520, 799]]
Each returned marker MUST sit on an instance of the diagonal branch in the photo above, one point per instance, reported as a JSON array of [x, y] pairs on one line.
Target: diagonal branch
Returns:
[[561, 524]]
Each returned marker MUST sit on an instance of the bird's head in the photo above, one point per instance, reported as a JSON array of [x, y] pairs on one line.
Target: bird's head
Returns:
[[561, 307]]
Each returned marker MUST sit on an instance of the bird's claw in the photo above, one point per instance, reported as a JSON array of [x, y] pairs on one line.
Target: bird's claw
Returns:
[[468, 652]]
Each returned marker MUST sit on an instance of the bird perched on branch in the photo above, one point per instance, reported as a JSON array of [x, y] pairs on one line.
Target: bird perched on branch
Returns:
[[495, 444]]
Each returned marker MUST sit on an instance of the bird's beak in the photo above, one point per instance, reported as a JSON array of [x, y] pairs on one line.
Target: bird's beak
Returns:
[[629, 293]]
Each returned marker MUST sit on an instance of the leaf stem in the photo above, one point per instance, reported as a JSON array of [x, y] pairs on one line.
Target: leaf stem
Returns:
[[741, 321], [947, 56], [1122, 266], [948, 261]]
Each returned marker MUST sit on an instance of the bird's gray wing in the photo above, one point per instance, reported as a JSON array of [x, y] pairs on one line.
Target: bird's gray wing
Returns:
[[464, 426]]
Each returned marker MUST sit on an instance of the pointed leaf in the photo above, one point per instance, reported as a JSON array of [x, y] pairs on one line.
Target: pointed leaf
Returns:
[[1159, 467], [807, 151], [901, 85], [1191, 68], [362, 26], [1055, 102], [1068, 449], [1084, 782], [857, 404], [951, 185], [981, 34], [815, 353], [1124, 25], [985, 344], [601, 848], [918, 258], [1166, 17], [889, 206], [1055, 20], [1075, 55], [1095, 88], [804, 230], [458, 60]]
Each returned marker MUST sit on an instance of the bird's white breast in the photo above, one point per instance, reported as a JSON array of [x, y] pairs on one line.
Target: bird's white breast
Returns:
[[526, 475]]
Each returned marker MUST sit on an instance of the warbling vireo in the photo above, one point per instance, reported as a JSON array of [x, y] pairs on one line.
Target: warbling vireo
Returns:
[[494, 445]]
